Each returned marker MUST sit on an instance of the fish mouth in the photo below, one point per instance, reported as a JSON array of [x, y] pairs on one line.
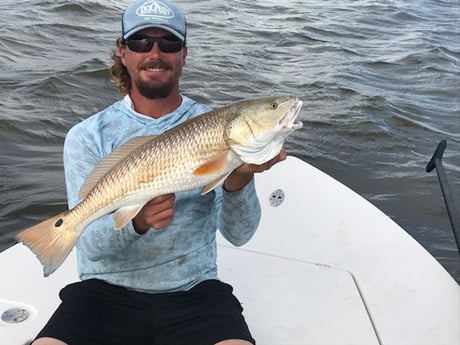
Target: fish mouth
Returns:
[[290, 119]]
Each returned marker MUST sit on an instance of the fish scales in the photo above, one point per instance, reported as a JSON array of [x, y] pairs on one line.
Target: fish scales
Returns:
[[200, 152]]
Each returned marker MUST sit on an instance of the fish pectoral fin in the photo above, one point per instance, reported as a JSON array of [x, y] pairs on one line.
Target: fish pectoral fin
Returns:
[[124, 214], [213, 165], [209, 187]]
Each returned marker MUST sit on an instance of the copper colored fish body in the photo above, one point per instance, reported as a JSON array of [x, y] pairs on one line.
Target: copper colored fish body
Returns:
[[199, 153]]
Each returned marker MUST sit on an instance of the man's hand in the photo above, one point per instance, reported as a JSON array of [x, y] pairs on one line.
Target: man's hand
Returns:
[[157, 213], [241, 176]]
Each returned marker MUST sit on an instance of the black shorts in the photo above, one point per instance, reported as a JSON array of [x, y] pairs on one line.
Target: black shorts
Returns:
[[93, 312]]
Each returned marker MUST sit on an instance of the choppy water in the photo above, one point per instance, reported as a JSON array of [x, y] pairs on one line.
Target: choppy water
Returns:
[[380, 81]]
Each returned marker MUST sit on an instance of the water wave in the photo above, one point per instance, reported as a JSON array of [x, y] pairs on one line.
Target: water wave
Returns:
[[379, 81]]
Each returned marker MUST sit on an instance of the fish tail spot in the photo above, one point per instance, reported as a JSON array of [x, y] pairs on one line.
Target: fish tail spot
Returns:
[[51, 240]]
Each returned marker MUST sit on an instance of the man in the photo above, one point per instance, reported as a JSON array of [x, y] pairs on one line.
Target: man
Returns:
[[155, 281]]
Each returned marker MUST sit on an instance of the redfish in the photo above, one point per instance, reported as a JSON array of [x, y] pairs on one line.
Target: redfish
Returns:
[[199, 153]]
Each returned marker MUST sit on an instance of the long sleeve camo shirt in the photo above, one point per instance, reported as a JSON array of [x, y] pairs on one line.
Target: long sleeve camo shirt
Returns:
[[176, 257]]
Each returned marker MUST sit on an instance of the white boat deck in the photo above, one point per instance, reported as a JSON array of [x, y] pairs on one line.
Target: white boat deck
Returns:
[[325, 267]]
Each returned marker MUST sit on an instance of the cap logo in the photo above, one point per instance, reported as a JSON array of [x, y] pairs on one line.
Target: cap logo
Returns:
[[155, 9]]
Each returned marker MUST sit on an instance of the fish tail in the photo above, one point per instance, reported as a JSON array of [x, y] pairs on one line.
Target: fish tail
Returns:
[[51, 241]]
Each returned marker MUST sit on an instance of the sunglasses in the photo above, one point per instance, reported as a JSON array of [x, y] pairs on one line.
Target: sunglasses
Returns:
[[143, 44]]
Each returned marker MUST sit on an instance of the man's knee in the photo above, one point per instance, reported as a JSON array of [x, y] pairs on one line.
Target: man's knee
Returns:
[[234, 342], [48, 341]]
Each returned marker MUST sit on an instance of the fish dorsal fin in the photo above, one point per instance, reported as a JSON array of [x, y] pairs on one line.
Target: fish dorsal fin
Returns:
[[110, 161], [213, 165]]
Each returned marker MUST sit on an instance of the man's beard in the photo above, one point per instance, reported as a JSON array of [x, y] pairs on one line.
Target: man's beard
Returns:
[[152, 90]]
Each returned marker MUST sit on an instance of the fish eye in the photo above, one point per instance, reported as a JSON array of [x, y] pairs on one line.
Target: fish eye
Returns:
[[273, 106]]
